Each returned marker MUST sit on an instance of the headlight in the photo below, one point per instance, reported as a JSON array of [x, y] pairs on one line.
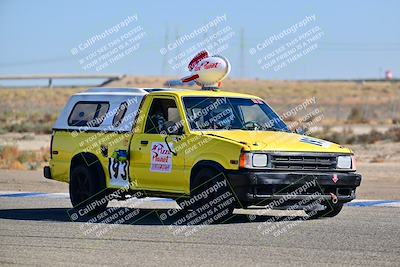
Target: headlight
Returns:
[[344, 162], [260, 160], [253, 160]]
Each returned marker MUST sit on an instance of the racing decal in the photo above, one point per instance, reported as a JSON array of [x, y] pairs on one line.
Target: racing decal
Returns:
[[160, 157], [118, 171], [257, 101], [315, 142]]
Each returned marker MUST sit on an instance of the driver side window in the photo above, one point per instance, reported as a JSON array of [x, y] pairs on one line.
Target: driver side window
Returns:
[[163, 117]]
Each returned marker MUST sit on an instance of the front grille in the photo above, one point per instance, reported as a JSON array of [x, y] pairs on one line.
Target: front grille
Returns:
[[290, 189], [303, 162]]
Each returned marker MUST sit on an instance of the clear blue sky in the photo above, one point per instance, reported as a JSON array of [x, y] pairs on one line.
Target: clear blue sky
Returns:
[[361, 38]]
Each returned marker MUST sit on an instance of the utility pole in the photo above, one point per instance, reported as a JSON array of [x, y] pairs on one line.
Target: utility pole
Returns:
[[164, 59], [241, 56], [178, 51]]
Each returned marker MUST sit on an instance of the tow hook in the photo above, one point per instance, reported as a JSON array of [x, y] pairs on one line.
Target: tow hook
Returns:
[[334, 198]]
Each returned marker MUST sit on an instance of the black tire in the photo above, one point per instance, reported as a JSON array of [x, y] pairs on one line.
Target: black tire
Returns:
[[205, 179], [331, 211], [86, 186]]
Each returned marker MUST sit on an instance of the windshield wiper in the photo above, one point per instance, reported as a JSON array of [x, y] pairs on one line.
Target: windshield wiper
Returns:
[[262, 127], [275, 129]]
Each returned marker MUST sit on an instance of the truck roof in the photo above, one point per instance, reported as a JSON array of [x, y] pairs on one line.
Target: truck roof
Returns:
[[173, 91]]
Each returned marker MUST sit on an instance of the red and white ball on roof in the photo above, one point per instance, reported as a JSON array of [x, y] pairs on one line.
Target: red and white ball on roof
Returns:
[[208, 71]]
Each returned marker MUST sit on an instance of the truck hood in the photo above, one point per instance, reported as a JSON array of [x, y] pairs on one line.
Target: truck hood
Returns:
[[278, 141]]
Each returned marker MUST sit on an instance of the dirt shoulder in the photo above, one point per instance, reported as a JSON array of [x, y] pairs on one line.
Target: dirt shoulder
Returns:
[[379, 180], [29, 181]]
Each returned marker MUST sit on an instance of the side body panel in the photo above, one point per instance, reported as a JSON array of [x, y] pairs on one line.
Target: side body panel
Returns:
[[68, 144], [152, 165]]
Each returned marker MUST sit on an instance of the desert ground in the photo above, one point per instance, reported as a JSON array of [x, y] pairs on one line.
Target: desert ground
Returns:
[[35, 229]]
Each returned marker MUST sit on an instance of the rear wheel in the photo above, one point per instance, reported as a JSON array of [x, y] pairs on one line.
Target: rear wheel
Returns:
[[331, 211], [211, 196], [86, 187]]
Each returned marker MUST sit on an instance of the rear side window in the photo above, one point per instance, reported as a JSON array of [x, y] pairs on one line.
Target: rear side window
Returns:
[[90, 114], [119, 115]]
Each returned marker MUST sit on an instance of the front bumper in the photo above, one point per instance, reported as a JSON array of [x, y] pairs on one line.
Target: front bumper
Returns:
[[261, 187]]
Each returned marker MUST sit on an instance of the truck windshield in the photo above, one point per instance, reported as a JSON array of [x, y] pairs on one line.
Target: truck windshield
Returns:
[[213, 113]]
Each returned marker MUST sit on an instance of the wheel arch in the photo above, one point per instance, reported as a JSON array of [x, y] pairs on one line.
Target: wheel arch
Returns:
[[204, 164]]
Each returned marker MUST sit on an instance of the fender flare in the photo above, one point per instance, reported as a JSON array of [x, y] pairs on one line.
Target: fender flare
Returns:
[[204, 164]]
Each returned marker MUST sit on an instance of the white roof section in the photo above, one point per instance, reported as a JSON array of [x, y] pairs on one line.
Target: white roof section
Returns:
[[115, 97], [126, 91], [107, 90]]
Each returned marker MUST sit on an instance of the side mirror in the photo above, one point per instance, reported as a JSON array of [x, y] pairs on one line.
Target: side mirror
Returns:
[[300, 131], [169, 147]]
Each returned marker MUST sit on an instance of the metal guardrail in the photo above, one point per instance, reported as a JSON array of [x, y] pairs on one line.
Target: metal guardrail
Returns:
[[350, 80], [50, 77]]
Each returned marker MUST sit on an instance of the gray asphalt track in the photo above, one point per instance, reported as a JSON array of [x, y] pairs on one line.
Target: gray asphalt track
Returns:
[[38, 231]]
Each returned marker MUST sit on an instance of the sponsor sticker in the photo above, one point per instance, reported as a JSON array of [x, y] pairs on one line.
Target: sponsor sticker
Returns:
[[315, 142], [161, 158]]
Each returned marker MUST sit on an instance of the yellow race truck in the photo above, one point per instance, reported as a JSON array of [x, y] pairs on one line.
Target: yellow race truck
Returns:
[[205, 149]]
